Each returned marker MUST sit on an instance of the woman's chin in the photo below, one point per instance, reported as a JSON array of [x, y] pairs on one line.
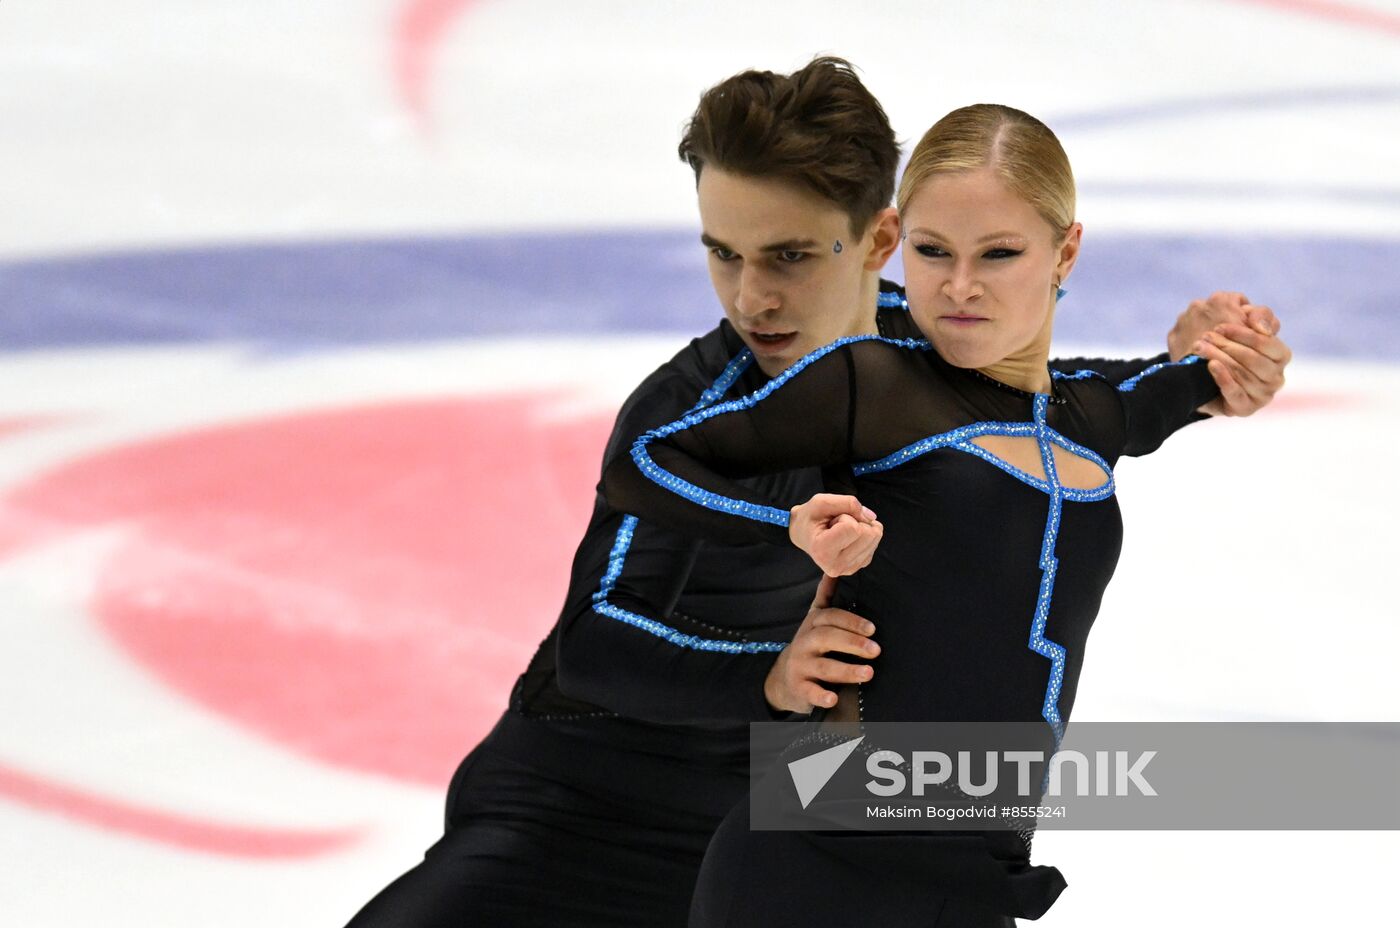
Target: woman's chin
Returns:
[[960, 354]]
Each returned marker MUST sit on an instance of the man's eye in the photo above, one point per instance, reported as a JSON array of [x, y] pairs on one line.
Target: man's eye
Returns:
[[724, 254], [1000, 253], [791, 257], [931, 251]]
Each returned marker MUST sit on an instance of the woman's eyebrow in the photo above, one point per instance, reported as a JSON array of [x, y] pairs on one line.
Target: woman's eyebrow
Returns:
[[986, 238]]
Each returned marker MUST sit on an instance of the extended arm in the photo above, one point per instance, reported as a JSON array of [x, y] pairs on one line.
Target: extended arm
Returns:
[[683, 475], [1239, 340], [1161, 399]]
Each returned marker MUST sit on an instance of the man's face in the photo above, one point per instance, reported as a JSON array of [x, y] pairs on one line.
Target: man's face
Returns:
[[776, 268]]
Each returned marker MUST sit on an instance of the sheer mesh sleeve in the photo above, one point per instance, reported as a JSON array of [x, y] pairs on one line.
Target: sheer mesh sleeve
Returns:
[[1161, 399], [1115, 370], [682, 474]]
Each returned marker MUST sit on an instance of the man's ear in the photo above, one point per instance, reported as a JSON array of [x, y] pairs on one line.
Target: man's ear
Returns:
[[883, 233]]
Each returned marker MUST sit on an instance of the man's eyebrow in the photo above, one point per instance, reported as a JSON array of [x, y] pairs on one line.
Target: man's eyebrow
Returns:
[[800, 244], [797, 244]]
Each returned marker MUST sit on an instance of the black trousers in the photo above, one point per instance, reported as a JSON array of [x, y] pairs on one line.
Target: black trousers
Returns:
[[769, 879], [546, 832]]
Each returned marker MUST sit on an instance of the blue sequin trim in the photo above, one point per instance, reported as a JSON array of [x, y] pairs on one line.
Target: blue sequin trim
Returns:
[[1128, 385], [716, 501], [732, 371], [1078, 494], [681, 640], [617, 557], [962, 437], [1038, 643], [1077, 375], [891, 299], [621, 542]]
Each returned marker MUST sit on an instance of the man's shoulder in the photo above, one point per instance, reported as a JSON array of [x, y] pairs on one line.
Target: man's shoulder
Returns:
[[700, 372], [700, 362], [892, 316]]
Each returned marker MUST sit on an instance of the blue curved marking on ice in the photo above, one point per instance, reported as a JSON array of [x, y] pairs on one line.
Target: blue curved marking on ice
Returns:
[[1336, 296]]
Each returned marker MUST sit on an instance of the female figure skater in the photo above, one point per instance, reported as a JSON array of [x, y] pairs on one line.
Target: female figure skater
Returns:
[[993, 480]]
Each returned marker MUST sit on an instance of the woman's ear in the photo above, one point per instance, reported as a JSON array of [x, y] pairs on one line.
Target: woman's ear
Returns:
[[1069, 252]]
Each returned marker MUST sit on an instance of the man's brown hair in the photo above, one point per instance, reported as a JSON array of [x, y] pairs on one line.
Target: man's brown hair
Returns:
[[818, 127]]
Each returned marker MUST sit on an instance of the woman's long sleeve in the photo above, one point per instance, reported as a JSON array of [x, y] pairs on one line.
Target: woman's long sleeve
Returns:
[[682, 475]]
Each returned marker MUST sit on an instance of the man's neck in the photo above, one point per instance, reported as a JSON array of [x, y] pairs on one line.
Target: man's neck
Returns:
[[869, 300]]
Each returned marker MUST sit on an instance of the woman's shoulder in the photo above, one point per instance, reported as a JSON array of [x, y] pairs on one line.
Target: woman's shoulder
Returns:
[[1091, 410]]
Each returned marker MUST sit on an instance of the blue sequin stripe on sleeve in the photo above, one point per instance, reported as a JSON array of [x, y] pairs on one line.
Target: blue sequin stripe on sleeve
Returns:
[[617, 558], [1077, 375], [1128, 385], [732, 371], [716, 501]]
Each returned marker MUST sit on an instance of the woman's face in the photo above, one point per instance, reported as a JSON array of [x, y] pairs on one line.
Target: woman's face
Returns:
[[980, 266]]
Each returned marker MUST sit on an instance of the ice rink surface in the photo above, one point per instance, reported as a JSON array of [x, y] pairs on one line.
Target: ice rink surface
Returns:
[[314, 316]]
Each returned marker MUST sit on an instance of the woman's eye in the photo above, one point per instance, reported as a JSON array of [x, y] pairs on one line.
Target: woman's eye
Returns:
[[791, 257], [999, 253], [930, 251]]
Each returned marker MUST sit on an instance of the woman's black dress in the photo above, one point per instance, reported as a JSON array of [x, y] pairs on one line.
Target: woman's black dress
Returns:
[[1001, 533]]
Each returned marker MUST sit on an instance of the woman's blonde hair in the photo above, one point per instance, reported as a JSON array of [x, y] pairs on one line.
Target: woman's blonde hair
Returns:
[[1021, 149]]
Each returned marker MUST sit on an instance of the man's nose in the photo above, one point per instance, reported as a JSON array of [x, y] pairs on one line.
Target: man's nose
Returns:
[[756, 294]]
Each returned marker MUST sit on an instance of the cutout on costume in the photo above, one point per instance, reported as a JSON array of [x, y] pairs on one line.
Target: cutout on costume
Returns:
[[1023, 453]]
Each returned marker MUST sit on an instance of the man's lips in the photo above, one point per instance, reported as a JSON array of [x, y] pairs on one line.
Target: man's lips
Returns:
[[963, 320], [773, 339]]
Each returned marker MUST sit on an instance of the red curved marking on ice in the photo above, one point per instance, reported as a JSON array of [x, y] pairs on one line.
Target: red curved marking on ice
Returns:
[[165, 827], [1288, 401], [360, 585], [17, 424], [16, 526], [419, 28], [1349, 13]]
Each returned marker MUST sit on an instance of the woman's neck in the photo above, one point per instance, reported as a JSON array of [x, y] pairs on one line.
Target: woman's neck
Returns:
[[1029, 368]]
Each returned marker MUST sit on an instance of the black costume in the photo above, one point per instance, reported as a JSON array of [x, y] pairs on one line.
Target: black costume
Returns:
[[595, 807], [982, 591]]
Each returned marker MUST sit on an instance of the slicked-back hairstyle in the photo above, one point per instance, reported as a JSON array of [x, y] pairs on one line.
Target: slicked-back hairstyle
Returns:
[[1020, 148], [819, 128]]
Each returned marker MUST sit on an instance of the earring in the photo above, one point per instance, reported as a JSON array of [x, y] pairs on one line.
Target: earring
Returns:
[[1060, 292]]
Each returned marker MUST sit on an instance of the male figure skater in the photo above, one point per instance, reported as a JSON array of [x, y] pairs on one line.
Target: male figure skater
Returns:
[[592, 800]]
